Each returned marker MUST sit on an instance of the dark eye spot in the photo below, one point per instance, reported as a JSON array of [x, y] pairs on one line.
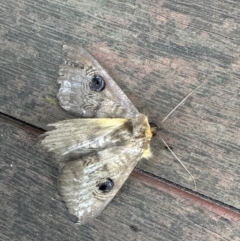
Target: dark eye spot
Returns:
[[106, 186], [97, 83]]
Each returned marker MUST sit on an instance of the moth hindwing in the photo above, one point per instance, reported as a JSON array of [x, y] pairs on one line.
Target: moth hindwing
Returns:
[[97, 152]]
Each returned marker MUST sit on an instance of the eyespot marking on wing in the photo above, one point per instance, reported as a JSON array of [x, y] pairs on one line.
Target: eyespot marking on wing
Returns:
[[97, 83], [106, 186]]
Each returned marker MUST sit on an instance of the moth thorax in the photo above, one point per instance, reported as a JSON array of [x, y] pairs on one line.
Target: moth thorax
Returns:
[[142, 130], [141, 127]]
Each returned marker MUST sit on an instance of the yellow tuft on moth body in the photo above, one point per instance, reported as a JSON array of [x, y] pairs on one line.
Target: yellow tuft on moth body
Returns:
[[148, 134], [147, 153], [111, 121]]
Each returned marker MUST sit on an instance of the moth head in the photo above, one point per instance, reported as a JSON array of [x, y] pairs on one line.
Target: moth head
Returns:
[[154, 129], [97, 83], [150, 131]]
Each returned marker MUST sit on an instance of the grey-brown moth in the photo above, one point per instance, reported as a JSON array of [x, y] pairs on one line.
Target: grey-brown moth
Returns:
[[97, 152]]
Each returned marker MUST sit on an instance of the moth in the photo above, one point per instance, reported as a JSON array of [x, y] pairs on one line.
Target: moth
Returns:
[[98, 151]]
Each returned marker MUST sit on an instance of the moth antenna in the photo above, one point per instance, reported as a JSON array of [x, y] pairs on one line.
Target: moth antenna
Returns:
[[166, 143], [183, 100], [180, 163]]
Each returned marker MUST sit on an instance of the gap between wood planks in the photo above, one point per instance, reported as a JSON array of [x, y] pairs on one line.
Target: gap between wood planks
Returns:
[[199, 199], [214, 206]]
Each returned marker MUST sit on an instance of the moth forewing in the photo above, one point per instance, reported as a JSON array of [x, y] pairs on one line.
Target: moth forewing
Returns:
[[81, 183], [77, 95]]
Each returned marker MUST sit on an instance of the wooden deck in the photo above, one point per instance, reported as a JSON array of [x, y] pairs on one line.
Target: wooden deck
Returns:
[[157, 51]]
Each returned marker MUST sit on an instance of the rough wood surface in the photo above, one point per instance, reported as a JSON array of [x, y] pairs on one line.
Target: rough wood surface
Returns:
[[157, 52]]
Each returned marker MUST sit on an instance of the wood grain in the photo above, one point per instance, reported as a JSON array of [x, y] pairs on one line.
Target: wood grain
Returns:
[[157, 52]]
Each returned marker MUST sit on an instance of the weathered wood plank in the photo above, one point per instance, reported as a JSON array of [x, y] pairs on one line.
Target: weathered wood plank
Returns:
[[157, 52], [144, 209]]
